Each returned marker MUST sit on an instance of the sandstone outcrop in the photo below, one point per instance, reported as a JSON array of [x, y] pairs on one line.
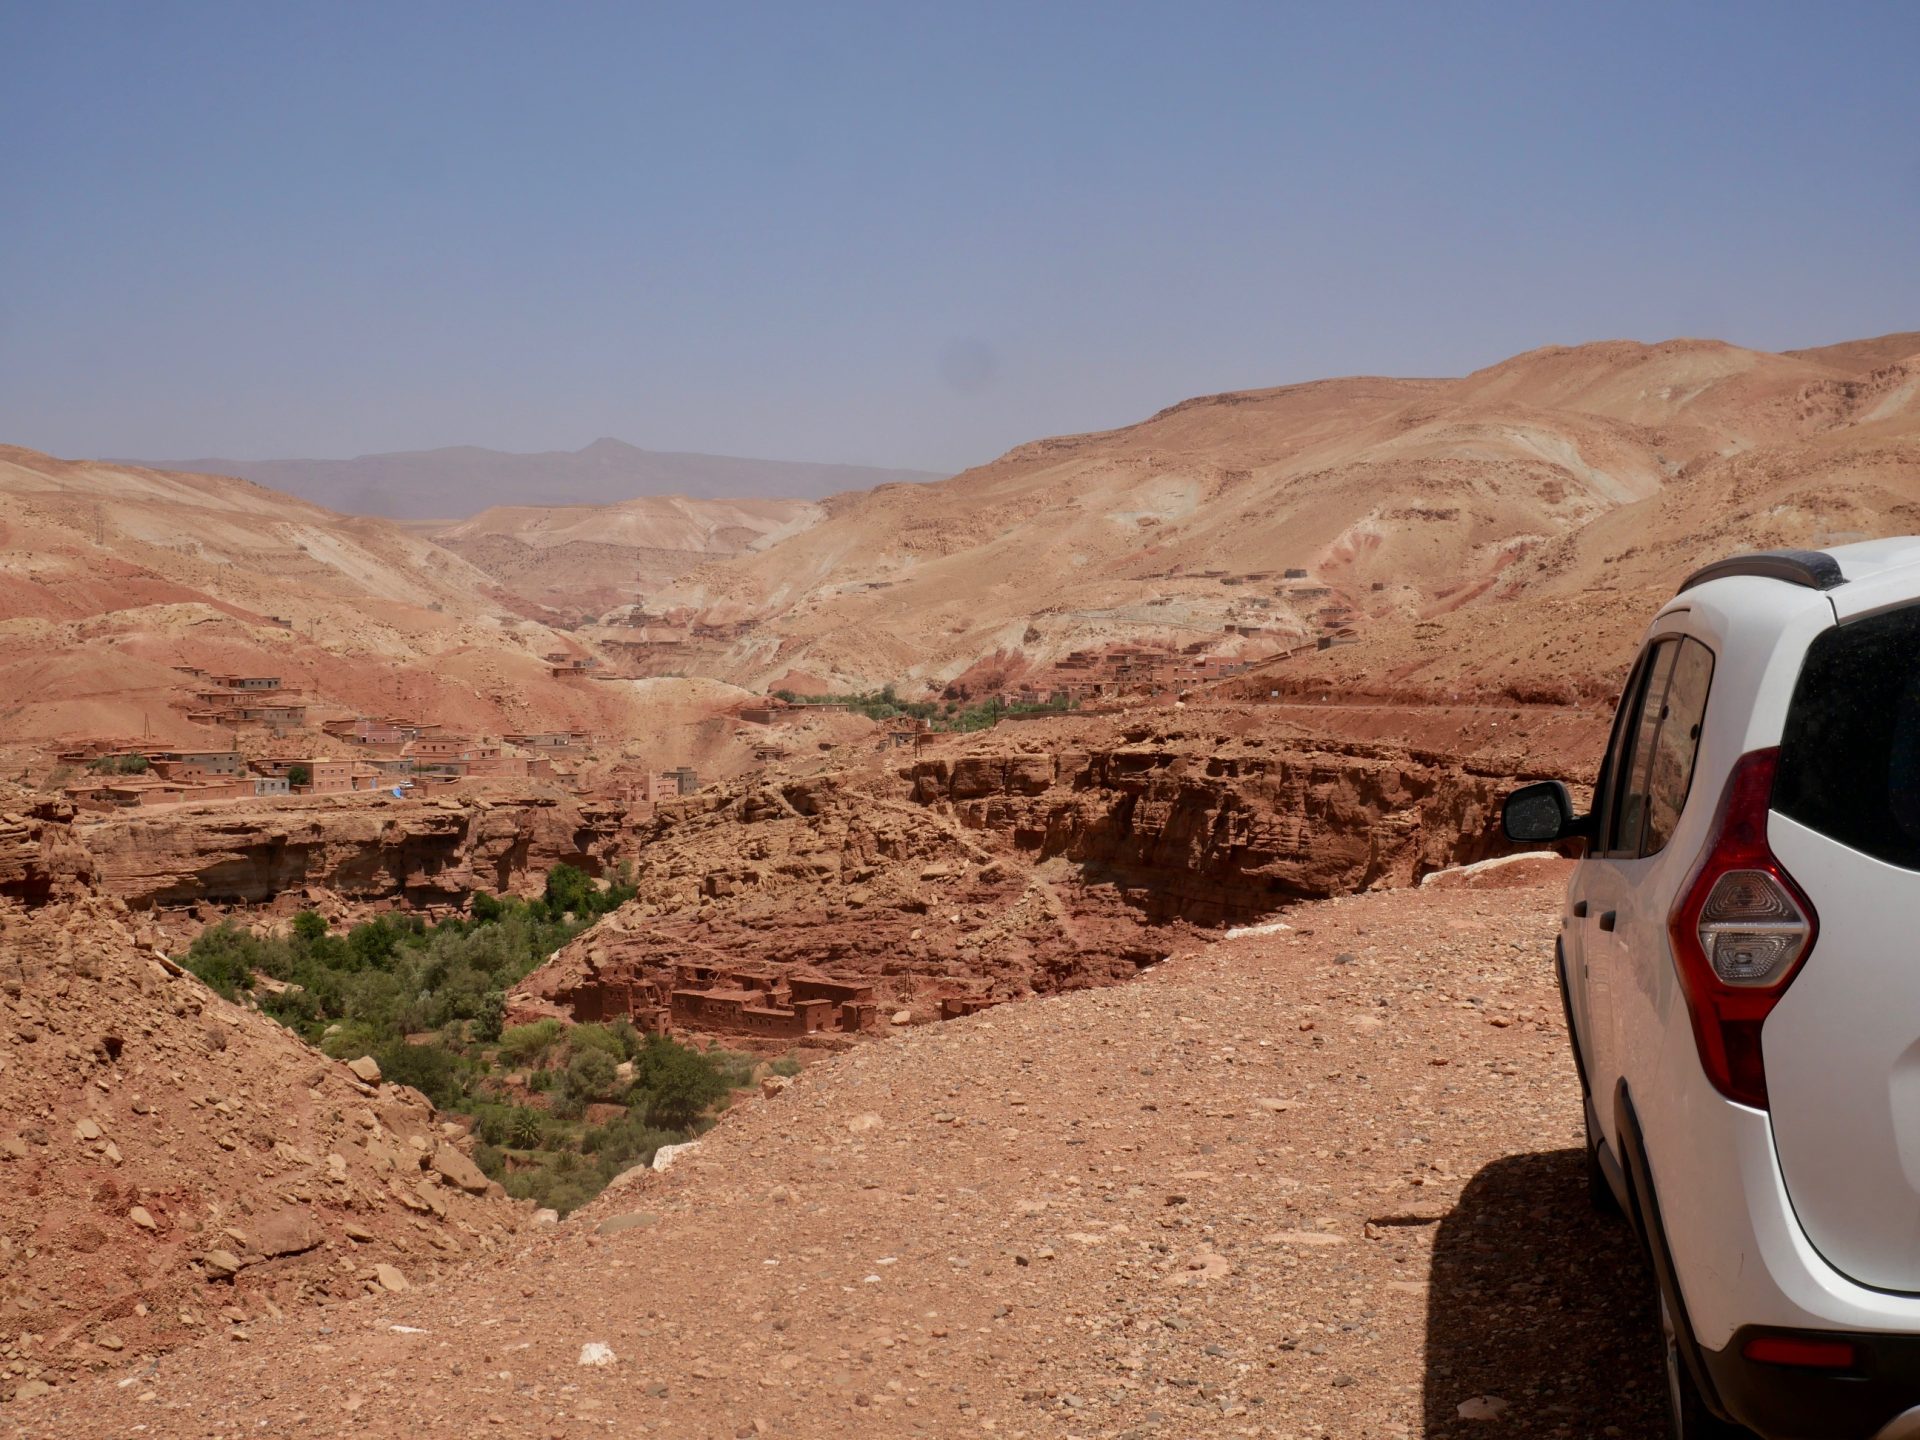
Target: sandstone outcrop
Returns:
[[39, 858], [1195, 829], [360, 848], [992, 871]]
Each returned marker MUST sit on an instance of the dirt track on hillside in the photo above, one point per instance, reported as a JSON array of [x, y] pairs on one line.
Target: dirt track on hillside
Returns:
[[1312, 1182]]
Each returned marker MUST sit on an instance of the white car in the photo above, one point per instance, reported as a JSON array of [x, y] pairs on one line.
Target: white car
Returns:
[[1740, 960]]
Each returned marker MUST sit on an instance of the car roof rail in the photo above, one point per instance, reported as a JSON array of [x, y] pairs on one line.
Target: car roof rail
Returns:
[[1813, 569]]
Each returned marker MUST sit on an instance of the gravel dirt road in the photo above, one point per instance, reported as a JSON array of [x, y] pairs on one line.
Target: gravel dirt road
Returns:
[[1319, 1181]]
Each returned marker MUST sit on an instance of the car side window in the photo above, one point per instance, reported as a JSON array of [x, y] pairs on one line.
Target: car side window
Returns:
[[1630, 812], [1660, 738], [1606, 789], [1676, 743]]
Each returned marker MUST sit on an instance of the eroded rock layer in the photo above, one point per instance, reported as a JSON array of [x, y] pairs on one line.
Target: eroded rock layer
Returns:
[[1001, 869], [39, 858], [356, 847]]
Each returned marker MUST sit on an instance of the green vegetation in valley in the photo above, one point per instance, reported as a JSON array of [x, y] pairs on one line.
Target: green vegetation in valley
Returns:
[[950, 715], [428, 1002], [119, 765]]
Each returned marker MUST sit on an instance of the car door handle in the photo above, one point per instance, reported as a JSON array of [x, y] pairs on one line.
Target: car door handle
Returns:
[[1579, 909], [1606, 919]]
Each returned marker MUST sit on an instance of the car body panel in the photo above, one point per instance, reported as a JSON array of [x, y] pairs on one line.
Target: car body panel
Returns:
[[1843, 1061]]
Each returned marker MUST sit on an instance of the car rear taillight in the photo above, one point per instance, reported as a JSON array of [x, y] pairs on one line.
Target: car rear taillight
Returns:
[[1740, 933]]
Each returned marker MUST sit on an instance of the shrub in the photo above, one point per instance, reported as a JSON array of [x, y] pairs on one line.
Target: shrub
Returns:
[[524, 1043], [631, 1040], [524, 1128], [599, 1038], [590, 1075], [309, 925], [734, 1069], [433, 1071], [786, 1065], [569, 891], [493, 1014], [224, 957], [351, 1039], [298, 775], [496, 1125], [294, 1007]]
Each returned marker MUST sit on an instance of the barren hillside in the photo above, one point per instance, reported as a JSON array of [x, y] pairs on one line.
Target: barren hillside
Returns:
[[112, 579], [580, 561], [1837, 459], [1397, 502]]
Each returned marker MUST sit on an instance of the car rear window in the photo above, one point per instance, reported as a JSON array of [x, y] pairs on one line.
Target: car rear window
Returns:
[[1850, 754]]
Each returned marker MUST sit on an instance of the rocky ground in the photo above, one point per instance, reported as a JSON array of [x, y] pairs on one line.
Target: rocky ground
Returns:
[[1317, 1181], [172, 1165]]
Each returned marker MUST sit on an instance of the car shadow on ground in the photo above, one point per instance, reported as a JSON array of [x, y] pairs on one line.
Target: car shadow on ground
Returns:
[[1537, 1301]]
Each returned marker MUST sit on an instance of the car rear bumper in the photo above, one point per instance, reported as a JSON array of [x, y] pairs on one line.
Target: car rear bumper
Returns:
[[1878, 1398]]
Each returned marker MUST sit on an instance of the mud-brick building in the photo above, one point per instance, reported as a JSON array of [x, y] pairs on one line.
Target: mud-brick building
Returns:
[[853, 1002], [747, 1012], [273, 712], [761, 1000], [639, 999], [141, 792], [325, 775], [670, 784], [196, 764]]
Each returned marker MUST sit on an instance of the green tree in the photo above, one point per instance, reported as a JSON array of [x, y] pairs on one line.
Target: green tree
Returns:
[[493, 1014], [569, 891], [298, 775], [309, 925], [681, 1083]]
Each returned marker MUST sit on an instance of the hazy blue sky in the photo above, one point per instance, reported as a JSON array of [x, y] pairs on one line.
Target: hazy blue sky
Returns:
[[901, 233]]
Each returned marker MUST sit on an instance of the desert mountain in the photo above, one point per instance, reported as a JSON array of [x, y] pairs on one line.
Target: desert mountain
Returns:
[[579, 561], [1395, 501], [1832, 459], [111, 577], [462, 480]]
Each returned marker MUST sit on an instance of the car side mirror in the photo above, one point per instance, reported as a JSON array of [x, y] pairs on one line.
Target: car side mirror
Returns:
[[1542, 814]]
